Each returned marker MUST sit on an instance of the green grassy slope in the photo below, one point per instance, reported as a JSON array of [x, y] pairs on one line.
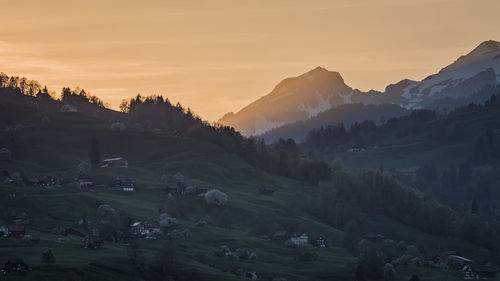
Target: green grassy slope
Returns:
[[59, 146]]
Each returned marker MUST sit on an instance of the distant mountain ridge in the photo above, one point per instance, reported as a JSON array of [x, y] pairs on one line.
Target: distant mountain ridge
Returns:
[[305, 96]]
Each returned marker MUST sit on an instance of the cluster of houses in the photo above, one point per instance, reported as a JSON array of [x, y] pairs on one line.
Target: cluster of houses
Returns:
[[186, 188], [15, 266], [45, 181], [119, 183], [302, 240], [16, 231], [145, 229], [449, 260], [90, 239], [469, 269]]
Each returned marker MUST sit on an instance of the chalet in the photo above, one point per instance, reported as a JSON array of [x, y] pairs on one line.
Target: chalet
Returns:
[[300, 241], [75, 232], [280, 235], [373, 237], [34, 181], [320, 242], [479, 272], [193, 188], [152, 228], [306, 256], [458, 261], [17, 230], [138, 228], [125, 184], [114, 162], [441, 257], [266, 191], [15, 266], [13, 127], [92, 241], [86, 182]]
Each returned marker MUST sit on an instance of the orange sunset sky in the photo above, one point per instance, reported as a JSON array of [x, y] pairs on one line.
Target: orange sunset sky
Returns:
[[218, 56]]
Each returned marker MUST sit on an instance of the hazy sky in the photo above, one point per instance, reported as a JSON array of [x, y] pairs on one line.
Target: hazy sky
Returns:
[[217, 56]]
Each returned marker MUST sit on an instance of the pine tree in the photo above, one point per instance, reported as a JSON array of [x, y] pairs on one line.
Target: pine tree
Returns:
[[95, 155], [48, 257], [351, 236], [474, 207]]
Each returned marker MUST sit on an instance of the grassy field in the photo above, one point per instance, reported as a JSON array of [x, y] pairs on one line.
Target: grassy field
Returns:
[[59, 146]]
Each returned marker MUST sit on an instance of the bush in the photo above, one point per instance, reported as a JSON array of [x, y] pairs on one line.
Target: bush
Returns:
[[167, 221], [118, 126], [216, 197]]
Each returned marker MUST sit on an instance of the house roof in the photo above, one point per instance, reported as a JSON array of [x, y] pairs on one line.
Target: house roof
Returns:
[[460, 258], [16, 228], [136, 223], [113, 159]]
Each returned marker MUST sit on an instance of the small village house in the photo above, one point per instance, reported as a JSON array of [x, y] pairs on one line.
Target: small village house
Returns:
[[373, 237], [137, 228], [33, 181], [441, 257], [15, 266], [280, 235], [193, 188], [320, 242], [300, 241], [86, 182], [76, 232], [92, 241], [266, 191], [125, 184], [152, 228], [17, 231], [114, 162]]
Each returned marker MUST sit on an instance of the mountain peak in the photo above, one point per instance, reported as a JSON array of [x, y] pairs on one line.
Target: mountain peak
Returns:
[[485, 47], [318, 69]]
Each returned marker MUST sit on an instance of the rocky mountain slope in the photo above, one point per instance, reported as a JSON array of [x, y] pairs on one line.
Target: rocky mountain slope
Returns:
[[299, 98]]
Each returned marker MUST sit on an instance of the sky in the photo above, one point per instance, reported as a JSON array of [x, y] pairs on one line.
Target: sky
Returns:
[[218, 56]]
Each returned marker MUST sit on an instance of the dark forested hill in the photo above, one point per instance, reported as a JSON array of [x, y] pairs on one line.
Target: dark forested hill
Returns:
[[347, 114]]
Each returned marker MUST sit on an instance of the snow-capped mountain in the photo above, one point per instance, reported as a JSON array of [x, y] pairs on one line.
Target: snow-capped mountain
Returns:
[[293, 99], [460, 79], [298, 98]]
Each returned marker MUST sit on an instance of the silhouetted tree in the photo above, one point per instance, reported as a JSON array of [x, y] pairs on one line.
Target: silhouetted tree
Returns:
[[48, 257], [351, 236], [95, 154], [474, 207]]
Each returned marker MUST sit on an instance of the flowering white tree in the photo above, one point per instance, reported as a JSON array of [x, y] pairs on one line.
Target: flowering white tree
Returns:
[[217, 197]]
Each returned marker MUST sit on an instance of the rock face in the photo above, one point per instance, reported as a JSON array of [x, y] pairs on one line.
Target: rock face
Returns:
[[299, 98]]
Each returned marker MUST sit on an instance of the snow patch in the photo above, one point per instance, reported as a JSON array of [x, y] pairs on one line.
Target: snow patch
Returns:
[[323, 105]]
